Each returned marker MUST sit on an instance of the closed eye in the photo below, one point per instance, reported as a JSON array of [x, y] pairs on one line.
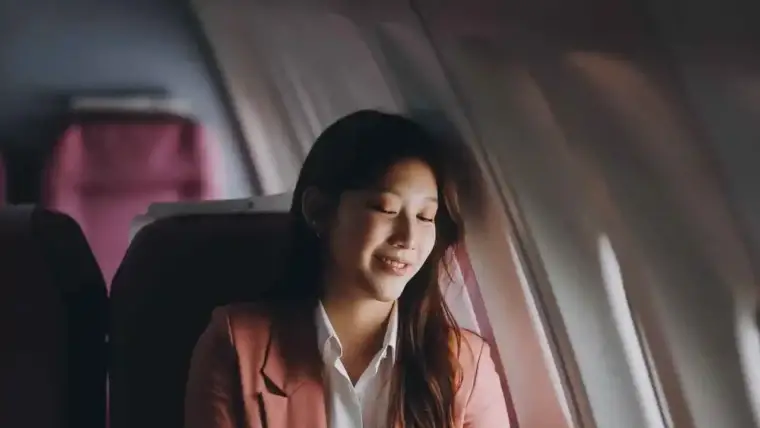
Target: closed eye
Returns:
[[384, 211], [425, 219]]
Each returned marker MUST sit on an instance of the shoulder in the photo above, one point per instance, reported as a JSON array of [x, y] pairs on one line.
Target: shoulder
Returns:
[[242, 324], [242, 318], [470, 348], [245, 315], [479, 401], [252, 324]]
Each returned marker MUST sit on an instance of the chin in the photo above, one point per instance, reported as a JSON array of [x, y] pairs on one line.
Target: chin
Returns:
[[387, 291], [386, 298]]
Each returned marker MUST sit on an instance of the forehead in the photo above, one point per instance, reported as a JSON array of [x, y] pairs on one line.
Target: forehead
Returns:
[[409, 174]]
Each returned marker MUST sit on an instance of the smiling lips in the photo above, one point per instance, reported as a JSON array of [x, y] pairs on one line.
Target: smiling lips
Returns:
[[394, 265]]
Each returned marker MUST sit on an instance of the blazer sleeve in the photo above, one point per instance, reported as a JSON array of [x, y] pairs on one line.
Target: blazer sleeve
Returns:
[[486, 407], [213, 384]]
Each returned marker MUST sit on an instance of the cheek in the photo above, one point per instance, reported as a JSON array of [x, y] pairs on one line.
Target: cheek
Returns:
[[427, 242], [350, 238]]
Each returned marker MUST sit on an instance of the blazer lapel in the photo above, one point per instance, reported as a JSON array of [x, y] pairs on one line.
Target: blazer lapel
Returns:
[[293, 393], [305, 408]]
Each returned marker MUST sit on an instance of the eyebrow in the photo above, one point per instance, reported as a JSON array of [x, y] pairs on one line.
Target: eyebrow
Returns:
[[386, 190]]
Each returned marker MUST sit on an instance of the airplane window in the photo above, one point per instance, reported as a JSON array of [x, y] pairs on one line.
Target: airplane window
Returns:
[[748, 337], [634, 347], [509, 317], [655, 378], [535, 314]]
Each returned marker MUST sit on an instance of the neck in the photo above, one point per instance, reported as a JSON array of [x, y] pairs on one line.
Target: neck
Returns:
[[359, 323]]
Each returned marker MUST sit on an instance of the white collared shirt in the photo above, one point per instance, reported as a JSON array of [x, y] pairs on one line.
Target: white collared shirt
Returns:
[[366, 404]]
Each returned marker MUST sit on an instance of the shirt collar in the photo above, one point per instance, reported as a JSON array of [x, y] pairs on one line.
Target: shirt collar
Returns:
[[329, 343]]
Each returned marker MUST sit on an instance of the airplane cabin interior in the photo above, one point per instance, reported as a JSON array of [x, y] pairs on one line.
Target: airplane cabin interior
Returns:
[[149, 149]]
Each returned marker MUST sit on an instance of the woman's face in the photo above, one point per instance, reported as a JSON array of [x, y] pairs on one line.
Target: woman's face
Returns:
[[380, 237]]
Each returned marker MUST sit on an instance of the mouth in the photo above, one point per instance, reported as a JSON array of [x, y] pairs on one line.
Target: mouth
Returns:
[[394, 265]]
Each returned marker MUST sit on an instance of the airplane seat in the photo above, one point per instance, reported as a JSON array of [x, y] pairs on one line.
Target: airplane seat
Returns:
[[53, 323], [106, 169], [269, 203], [176, 270]]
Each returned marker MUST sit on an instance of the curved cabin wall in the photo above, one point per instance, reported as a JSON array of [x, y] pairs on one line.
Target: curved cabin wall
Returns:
[[52, 49]]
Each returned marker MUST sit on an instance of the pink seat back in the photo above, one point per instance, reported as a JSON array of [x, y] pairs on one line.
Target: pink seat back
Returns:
[[173, 275], [53, 323], [107, 169]]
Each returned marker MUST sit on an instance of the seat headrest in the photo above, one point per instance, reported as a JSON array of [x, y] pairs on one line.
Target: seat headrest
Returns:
[[271, 203], [227, 252], [54, 240], [274, 203], [136, 104]]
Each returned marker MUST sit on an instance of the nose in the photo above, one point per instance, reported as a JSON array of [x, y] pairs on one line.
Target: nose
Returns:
[[404, 234]]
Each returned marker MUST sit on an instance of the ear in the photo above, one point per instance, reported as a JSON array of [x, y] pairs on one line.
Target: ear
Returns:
[[314, 208]]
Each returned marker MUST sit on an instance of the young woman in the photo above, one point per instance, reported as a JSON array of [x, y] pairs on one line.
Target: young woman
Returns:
[[357, 334]]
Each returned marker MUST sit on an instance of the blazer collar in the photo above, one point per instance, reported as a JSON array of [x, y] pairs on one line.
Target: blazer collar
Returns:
[[292, 394], [292, 358]]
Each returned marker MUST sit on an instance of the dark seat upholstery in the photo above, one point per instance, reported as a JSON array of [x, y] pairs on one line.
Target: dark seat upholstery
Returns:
[[53, 323], [174, 273]]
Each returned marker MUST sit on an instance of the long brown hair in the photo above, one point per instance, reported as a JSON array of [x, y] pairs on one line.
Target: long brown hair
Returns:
[[353, 153]]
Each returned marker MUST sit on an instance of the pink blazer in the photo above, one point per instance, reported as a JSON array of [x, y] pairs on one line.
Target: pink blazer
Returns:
[[247, 373]]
